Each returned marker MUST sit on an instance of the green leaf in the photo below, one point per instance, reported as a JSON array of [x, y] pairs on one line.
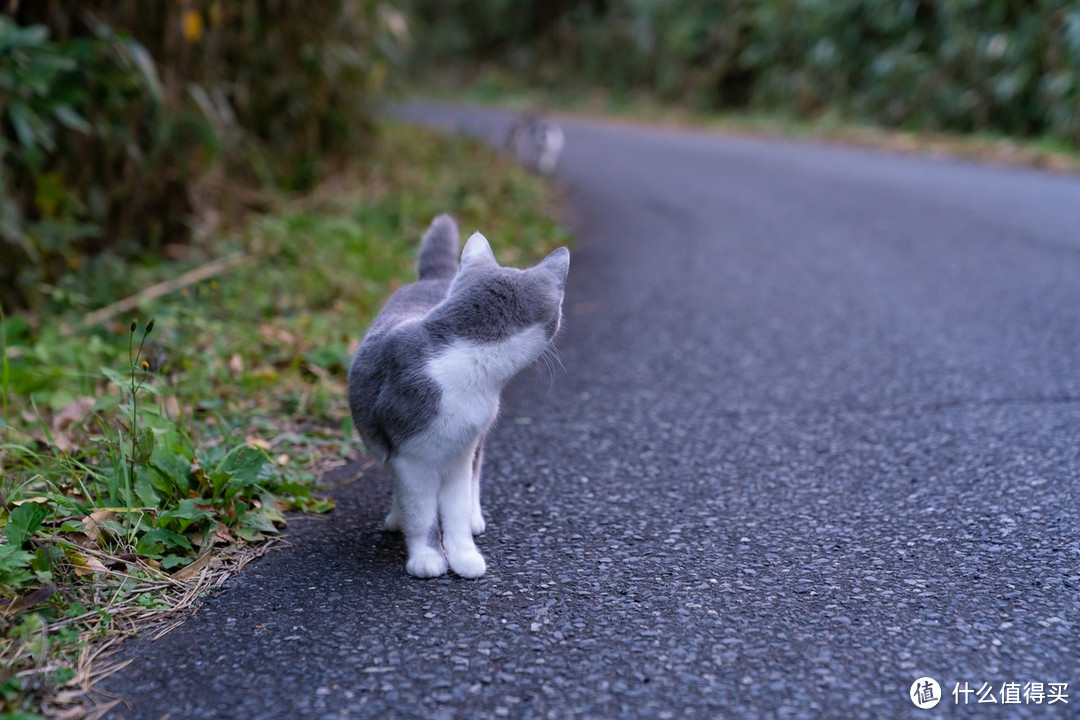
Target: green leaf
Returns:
[[244, 465], [116, 377], [257, 521], [149, 546], [15, 567], [23, 120], [71, 119], [171, 463], [155, 541], [144, 490], [24, 521], [183, 516], [250, 534], [186, 510], [219, 480], [315, 505]]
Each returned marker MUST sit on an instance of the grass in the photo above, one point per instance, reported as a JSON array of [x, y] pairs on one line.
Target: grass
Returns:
[[492, 87], [147, 454]]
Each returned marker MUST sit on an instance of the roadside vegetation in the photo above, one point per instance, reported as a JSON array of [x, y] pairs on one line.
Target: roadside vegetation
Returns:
[[993, 79], [200, 213], [191, 247], [145, 450], [494, 87]]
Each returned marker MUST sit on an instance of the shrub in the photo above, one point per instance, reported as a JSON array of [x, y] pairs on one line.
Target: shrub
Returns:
[[988, 65], [122, 121]]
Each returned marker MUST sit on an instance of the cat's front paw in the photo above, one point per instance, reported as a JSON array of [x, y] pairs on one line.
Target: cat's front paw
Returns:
[[426, 565], [468, 563]]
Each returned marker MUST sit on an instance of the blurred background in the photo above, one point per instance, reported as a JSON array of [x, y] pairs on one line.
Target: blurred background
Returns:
[[129, 127]]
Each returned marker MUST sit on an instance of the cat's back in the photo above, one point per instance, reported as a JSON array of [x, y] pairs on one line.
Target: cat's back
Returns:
[[409, 303]]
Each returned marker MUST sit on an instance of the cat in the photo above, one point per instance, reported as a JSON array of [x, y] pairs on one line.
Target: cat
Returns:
[[537, 143], [425, 382]]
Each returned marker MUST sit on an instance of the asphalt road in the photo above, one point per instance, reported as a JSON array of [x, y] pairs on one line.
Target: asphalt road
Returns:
[[817, 436]]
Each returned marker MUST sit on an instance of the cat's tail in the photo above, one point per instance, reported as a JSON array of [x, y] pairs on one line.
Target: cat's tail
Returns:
[[439, 250]]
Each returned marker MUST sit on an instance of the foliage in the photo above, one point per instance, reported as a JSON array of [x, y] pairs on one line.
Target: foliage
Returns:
[[132, 453], [84, 162], [967, 65], [121, 121]]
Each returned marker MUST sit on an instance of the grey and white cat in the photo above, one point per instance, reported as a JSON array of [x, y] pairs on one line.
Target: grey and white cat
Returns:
[[424, 385]]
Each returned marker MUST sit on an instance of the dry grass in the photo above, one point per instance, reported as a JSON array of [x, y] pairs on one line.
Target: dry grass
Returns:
[[119, 615]]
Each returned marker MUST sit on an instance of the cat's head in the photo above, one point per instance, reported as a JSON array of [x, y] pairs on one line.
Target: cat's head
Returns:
[[492, 303]]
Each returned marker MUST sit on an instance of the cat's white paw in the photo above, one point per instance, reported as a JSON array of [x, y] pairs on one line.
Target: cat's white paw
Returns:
[[392, 522], [468, 563], [477, 524], [426, 564]]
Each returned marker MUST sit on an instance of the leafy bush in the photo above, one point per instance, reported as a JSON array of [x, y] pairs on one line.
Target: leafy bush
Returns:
[[85, 163], [124, 124], [986, 65]]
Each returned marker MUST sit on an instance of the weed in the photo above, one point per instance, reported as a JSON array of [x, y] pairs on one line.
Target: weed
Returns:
[[138, 369], [5, 370]]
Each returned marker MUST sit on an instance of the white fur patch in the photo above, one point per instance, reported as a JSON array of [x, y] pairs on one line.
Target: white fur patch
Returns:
[[470, 376]]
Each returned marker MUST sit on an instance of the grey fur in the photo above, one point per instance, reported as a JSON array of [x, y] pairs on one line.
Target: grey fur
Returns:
[[536, 142], [433, 538], [390, 397], [438, 250], [394, 399]]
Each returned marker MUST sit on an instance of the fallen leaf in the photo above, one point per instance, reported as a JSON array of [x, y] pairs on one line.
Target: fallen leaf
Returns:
[[189, 571], [39, 499], [222, 535], [121, 562], [92, 523], [72, 413], [171, 406], [317, 371], [277, 335], [236, 365], [85, 564], [27, 601], [257, 443]]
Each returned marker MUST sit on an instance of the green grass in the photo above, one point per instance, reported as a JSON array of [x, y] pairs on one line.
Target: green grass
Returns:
[[496, 88], [144, 459]]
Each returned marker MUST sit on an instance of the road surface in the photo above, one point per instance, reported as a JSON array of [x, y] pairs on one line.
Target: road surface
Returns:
[[818, 435]]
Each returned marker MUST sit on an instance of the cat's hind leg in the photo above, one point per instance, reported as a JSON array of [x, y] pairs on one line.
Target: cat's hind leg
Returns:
[[476, 519], [416, 497], [456, 512], [392, 522]]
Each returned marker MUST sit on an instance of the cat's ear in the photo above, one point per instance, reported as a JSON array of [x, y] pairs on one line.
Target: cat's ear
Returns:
[[558, 264], [477, 252]]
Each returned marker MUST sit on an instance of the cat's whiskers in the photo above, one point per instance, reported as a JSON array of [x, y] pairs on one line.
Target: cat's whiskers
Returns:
[[551, 362]]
